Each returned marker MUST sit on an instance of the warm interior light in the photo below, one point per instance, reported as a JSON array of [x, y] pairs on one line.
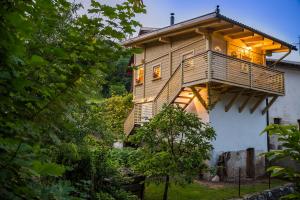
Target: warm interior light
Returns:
[[190, 94]]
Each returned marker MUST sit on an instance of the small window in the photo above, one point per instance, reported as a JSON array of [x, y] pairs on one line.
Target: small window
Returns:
[[157, 72], [188, 61], [139, 76]]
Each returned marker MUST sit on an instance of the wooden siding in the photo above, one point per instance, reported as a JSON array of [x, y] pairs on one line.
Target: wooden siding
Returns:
[[197, 45], [153, 86], [163, 55]]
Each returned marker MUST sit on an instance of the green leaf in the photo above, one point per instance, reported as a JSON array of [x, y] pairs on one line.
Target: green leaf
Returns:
[[48, 169], [37, 60]]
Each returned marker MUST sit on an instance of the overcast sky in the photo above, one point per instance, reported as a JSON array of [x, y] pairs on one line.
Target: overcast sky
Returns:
[[279, 18]]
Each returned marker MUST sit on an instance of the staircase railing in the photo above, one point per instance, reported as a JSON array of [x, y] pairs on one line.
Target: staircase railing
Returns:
[[169, 91]]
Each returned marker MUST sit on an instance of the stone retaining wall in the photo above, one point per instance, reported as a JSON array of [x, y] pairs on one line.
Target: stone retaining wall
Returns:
[[272, 194]]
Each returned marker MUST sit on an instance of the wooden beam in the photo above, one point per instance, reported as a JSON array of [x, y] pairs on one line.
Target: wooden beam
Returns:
[[280, 50], [233, 99], [241, 108], [232, 31], [269, 105], [209, 23], [270, 47], [257, 38], [164, 40], [201, 100], [183, 97], [257, 104], [222, 28], [201, 31], [241, 35], [188, 103]]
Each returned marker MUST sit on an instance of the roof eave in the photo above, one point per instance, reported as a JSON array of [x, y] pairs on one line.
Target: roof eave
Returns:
[[168, 29], [292, 47]]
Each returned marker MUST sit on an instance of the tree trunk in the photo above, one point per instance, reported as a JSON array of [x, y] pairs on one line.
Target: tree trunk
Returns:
[[166, 188]]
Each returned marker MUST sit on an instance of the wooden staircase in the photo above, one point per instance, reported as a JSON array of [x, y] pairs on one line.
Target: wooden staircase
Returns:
[[173, 92]]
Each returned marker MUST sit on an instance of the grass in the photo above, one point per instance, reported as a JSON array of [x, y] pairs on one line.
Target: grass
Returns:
[[197, 191]]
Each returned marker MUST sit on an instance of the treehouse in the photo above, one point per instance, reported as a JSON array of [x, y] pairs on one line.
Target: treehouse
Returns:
[[205, 61]]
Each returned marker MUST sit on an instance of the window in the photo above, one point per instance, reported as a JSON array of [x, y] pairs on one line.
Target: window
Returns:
[[139, 76], [188, 61], [156, 72]]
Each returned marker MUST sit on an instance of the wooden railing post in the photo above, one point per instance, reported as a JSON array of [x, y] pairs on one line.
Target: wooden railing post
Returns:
[[250, 74], [182, 78], [209, 65]]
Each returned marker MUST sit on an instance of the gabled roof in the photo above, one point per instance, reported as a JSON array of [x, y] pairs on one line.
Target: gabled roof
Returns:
[[211, 22]]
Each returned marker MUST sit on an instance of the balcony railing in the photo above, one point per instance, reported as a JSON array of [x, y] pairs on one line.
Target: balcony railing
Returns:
[[209, 66], [216, 67]]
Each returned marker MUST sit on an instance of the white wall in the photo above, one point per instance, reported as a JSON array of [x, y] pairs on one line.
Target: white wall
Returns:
[[237, 131], [288, 107]]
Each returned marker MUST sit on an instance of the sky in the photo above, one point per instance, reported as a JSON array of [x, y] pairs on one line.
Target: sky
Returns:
[[279, 18]]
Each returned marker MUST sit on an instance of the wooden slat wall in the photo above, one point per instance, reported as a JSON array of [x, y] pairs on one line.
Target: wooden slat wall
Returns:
[[155, 50], [197, 47], [250, 75], [160, 54], [129, 122]]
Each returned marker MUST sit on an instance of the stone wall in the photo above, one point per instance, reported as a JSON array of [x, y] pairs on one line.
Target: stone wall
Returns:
[[272, 194]]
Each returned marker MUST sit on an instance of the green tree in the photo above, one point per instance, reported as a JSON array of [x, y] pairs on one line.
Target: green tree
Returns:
[[52, 61], [173, 144], [289, 137]]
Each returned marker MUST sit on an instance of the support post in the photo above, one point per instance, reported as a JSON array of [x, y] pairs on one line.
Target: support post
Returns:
[[209, 57], [201, 100]]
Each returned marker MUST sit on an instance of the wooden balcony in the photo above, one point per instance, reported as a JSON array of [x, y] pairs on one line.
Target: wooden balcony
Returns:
[[213, 71], [215, 67]]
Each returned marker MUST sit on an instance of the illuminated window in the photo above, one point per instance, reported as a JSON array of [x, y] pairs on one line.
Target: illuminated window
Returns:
[[156, 72], [139, 75], [188, 61]]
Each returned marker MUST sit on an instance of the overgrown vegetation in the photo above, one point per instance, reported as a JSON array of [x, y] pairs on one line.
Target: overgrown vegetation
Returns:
[[56, 129], [289, 138], [174, 145]]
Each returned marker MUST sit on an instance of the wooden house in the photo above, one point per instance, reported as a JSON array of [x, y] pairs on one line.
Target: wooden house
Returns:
[[214, 67]]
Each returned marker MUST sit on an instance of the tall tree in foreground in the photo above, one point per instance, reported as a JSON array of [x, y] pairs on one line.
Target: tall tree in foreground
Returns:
[[289, 137], [52, 61], [175, 145]]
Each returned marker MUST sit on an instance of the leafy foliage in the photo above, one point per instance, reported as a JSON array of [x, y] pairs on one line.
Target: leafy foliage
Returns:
[[52, 62], [174, 144], [289, 137]]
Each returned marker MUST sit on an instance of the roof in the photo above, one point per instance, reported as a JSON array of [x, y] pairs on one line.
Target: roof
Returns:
[[145, 30], [196, 22]]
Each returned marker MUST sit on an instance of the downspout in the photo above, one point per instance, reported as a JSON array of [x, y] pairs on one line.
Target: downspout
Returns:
[[268, 116], [280, 59]]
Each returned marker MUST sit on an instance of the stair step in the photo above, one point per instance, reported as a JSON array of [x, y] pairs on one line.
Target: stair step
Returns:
[[184, 97]]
